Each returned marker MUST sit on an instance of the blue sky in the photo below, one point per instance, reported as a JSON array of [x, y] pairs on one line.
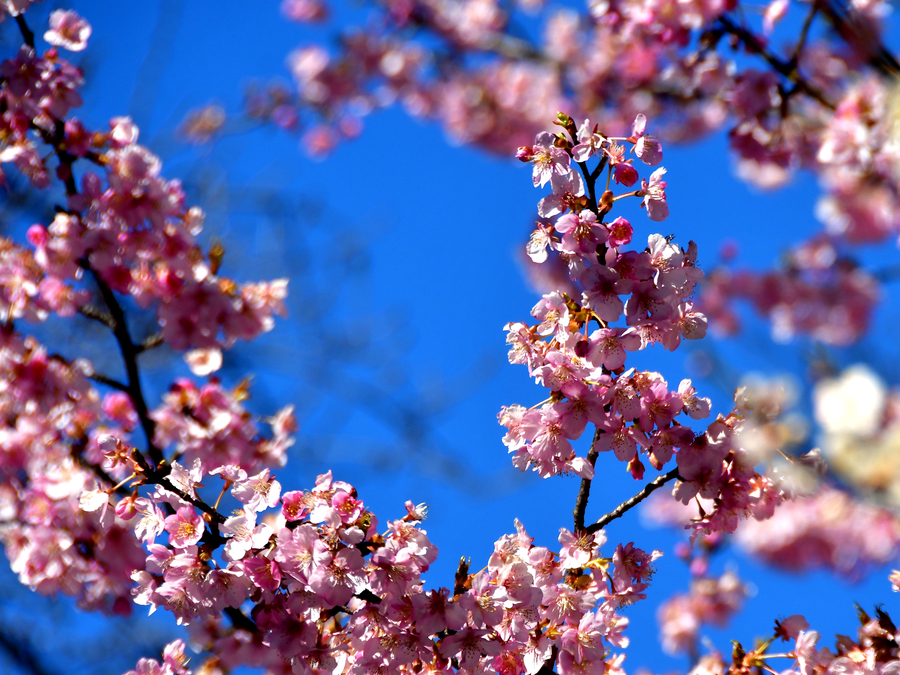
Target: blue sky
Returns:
[[435, 232]]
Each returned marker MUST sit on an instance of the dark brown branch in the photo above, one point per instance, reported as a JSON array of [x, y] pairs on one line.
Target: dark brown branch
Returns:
[[156, 470], [584, 490], [788, 70], [804, 34], [240, 620], [27, 33], [547, 668], [861, 35], [216, 517], [129, 356], [590, 180], [161, 477], [626, 506], [66, 160], [461, 576]]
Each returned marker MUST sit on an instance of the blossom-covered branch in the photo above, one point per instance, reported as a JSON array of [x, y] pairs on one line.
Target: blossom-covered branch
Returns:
[[629, 504]]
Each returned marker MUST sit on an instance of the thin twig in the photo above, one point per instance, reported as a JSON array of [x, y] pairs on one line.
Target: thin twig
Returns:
[[754, 46], [161, 476], [151, 342], [100, 378], [626, 506], [98, 315], [77, 452], [804, 34]]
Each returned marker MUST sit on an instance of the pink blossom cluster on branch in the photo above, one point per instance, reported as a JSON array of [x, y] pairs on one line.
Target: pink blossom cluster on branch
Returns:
[[126, 224], [52, 418], [91, 514], [709, 601], [826, 529], [816, 293], [634, 413], [821, 103], [821, 526]]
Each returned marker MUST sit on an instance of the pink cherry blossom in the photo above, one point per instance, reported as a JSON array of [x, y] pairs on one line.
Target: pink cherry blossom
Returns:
[[185, 527], [68, 30], [647, 148], [655, 196]]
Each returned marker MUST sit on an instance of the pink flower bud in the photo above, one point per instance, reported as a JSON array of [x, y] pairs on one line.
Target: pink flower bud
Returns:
[[37, 235]]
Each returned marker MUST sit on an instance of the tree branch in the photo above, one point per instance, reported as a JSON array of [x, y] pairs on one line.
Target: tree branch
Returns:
[[150, 342], [129, 356], [788, 70], [626, 506], [804, 34], [584, 490], [98, 315], [100, 378], [27, 33], [861, 36], [240, 620]]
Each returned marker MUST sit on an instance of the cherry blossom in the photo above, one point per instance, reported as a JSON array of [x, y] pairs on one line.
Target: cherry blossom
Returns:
[[68, 30]]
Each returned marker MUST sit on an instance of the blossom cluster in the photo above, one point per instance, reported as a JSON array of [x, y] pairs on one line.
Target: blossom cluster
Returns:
[[324, 588], [59, 458], [209, 425], [65, 452], [330, 592], [821, 526], [644, 56], [174, 662], [827, 529], [816, 293], [52, 419], [822, 106], [709, 601], [125, 223], [875, 650], [635, 414]]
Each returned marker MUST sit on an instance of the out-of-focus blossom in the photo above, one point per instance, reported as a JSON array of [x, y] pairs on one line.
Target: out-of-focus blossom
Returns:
[[68, 30]]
